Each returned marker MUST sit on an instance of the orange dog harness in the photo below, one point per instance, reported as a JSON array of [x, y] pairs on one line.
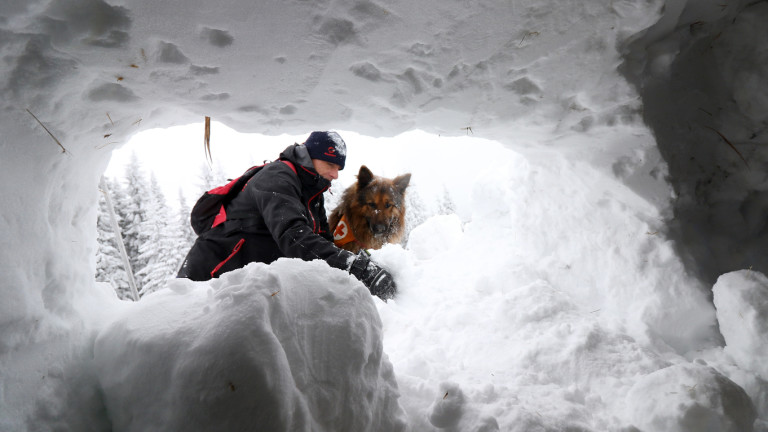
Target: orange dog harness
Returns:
[[342, 234]]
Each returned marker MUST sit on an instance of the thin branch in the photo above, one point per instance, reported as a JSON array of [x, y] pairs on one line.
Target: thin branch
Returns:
[[729, 143], [101, 146], [119, 239], [533, 33], [207, 140], [63, 150]]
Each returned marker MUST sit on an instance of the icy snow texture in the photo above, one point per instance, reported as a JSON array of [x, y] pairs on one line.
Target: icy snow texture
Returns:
[[690, 398], [559, 294], [701, 73], [268, 348], [741, 299], [341, 146]]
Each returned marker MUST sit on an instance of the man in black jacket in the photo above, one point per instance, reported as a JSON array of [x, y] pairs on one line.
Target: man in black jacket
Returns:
[[281, 213]]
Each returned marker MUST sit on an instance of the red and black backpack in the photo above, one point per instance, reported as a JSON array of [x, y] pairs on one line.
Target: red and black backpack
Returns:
[[210, 210]]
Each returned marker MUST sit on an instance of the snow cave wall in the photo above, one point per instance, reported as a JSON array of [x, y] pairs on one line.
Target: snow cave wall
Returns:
[[701, 71], [95, 73]]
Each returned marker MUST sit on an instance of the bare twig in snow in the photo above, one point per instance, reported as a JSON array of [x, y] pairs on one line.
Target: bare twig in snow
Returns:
[[533, 33], [101, 146], [729, 143], [63, 150], [207, 140]]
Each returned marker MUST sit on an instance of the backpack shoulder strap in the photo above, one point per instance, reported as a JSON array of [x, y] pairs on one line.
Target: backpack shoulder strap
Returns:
[[290, 164], [243, 181]]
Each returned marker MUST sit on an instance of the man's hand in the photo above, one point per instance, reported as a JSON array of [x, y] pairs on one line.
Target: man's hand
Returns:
[[378, 280]]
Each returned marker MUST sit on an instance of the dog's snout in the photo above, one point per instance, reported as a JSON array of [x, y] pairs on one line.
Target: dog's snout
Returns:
[[378, 228]]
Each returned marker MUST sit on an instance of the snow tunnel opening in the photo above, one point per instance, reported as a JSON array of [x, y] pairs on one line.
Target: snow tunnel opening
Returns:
[[157, 176]]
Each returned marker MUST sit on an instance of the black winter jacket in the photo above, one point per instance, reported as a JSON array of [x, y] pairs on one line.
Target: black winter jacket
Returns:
[[282, 215]]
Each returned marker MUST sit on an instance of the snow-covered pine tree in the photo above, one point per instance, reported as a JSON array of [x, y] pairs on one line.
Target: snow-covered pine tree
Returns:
[[209, 178], [188, 235], [415, 212], [446, 205], [109, 264], [418, 210], [161, 239], [132, 209]]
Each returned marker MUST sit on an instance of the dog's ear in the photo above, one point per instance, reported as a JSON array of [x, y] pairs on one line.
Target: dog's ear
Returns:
[[364, 177], [401, 182]]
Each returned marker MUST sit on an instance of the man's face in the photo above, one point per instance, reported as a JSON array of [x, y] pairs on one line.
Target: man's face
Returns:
[[327, 170]]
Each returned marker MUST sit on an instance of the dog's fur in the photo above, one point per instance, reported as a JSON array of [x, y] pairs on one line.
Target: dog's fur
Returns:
[[375, 210]]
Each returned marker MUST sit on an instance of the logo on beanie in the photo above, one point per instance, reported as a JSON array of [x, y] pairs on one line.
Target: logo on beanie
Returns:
[[327, 146]]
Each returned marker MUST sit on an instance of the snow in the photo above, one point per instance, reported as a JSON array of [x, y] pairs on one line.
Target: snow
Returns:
[[341, 146], [690, 397], [587, 237], [741, 299], [277, 350]]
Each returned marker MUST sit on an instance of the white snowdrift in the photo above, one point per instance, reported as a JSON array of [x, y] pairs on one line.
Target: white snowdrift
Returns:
[[741, 299], [292, 346], [690, 398]]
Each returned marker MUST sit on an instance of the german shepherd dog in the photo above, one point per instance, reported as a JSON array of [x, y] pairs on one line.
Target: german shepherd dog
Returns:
[[371, 212]]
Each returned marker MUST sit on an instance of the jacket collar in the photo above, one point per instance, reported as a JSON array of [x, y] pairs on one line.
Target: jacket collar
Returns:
[[310, 179]]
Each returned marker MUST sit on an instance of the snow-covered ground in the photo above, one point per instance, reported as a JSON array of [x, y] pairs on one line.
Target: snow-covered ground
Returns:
[[570, 269]]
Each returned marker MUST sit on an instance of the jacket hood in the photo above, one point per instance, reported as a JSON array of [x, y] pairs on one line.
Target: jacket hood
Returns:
[[299, 155]]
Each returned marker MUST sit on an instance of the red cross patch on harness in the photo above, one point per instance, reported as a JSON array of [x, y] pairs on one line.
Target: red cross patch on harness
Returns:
[[342, 234]]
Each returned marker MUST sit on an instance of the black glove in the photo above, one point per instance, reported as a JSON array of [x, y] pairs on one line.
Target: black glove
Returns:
[[378, 280]]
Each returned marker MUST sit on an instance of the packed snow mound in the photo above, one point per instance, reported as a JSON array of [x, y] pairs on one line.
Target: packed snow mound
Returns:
[[741, 299], [291, 346], [533, 311], [690, 398], [450, 412], [645, 287]]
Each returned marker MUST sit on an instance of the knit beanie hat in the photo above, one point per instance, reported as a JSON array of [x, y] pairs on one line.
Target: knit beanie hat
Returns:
[[327, 146]]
